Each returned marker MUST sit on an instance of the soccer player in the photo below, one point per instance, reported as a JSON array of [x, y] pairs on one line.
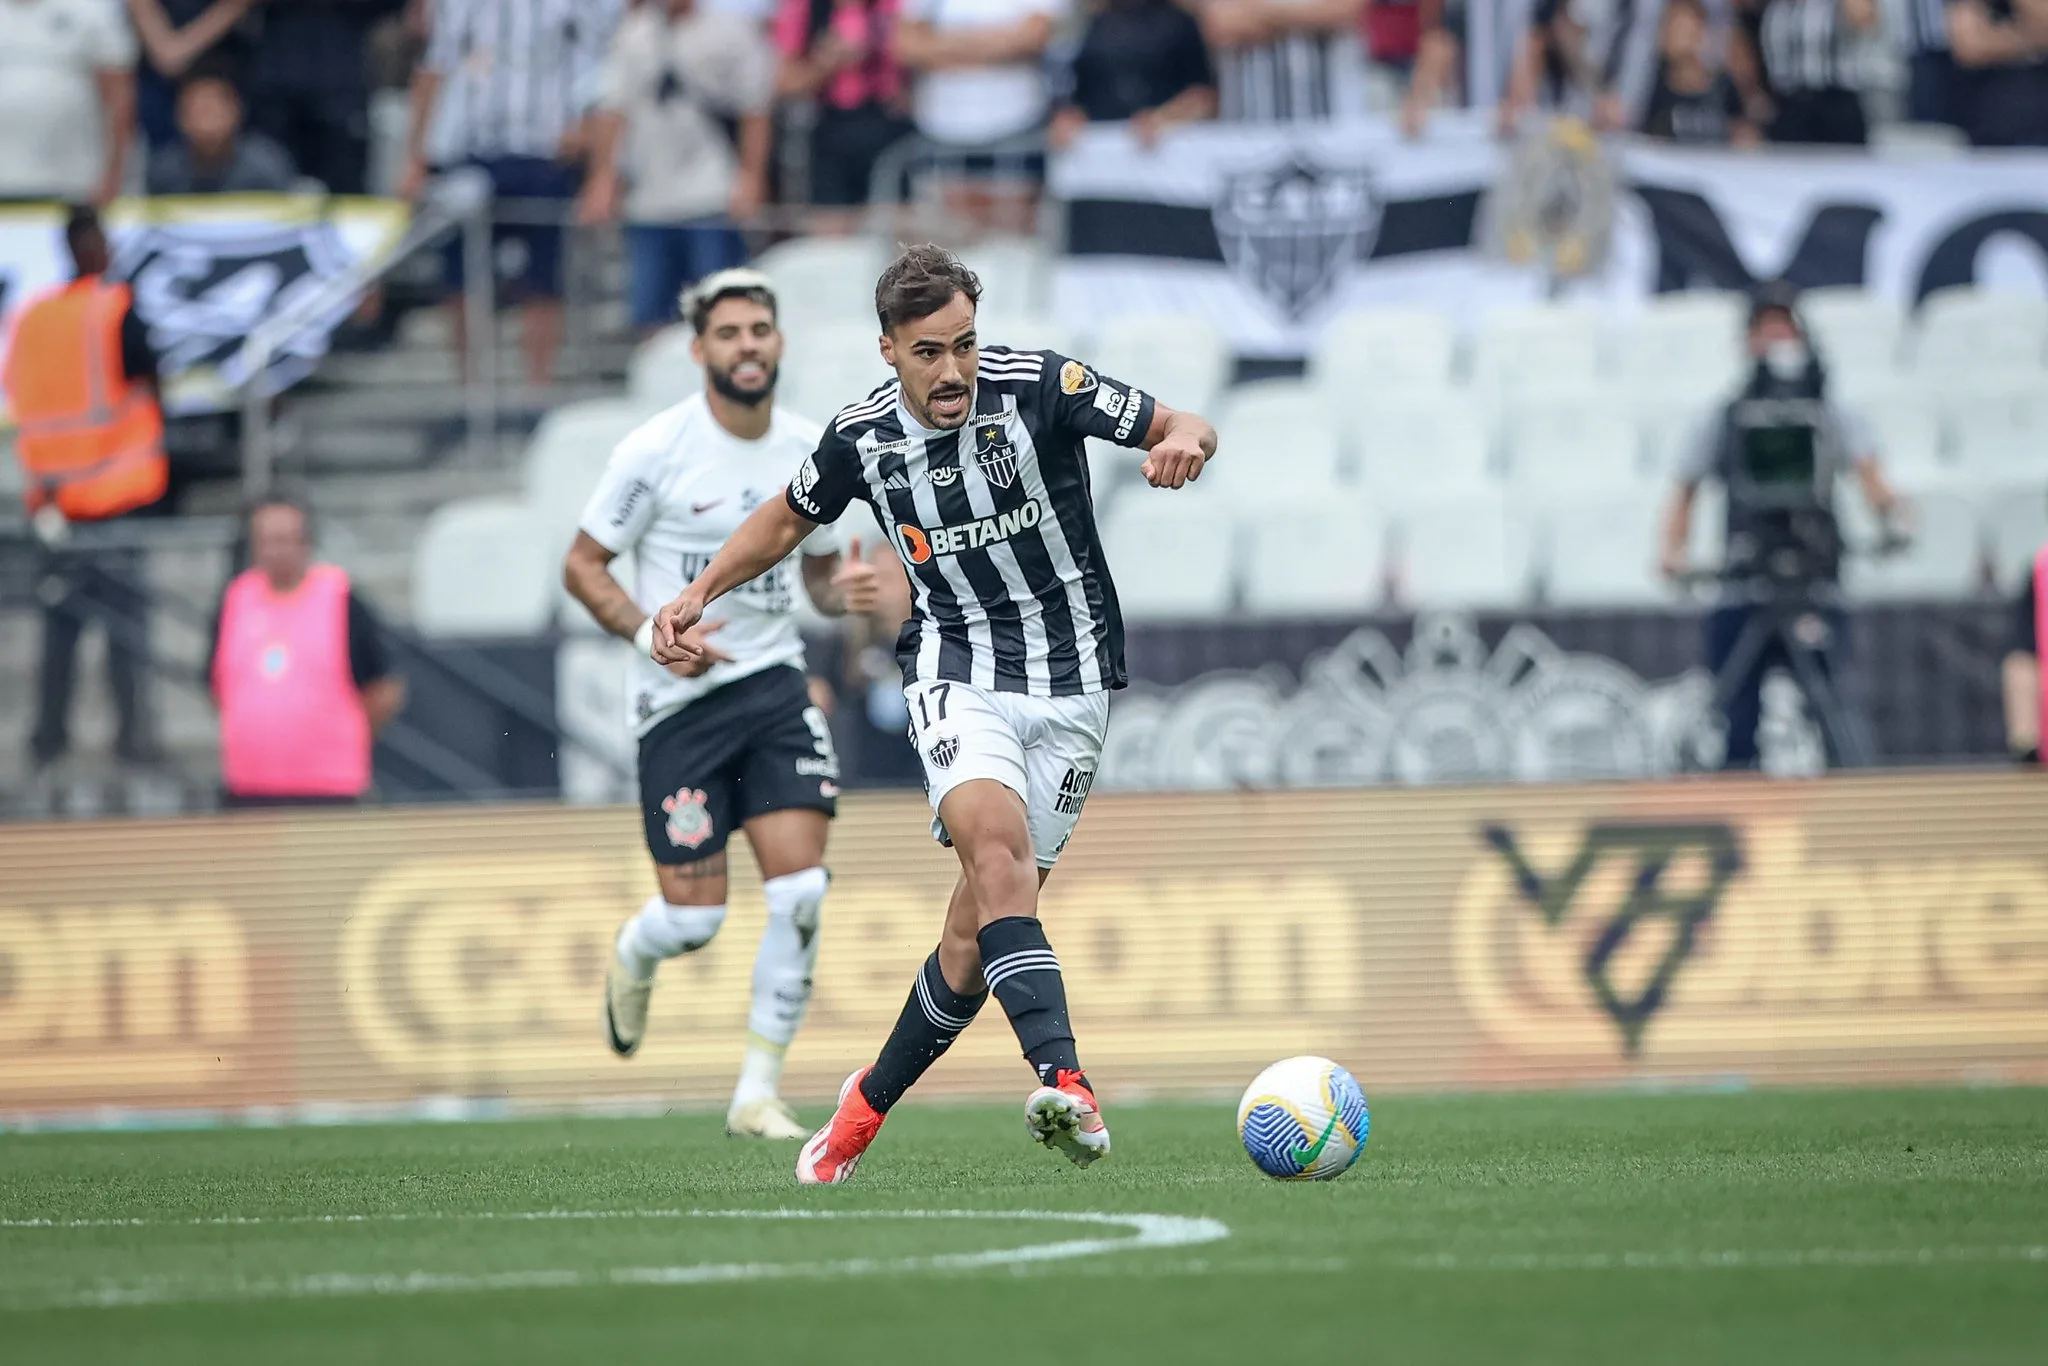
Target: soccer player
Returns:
[[728, 738], [972, 461]]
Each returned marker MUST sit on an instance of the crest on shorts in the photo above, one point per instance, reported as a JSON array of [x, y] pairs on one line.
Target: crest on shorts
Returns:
[[944, 751], [1289, 231], [996, 456], [689, 820], [1076, 378]]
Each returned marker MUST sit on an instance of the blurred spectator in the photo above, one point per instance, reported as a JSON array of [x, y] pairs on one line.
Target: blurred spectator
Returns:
[[67, 99], [81, 383], [214, 153], [309, 87], [1288, 60], [2002, 48], [1932, 85], [503, 88], [675, 76], [1141, 62], [842, 54], [177, 34], [2026, 691], [1393, 32], [1816, 61], [299, 670], [1592, 59], [1695, 100], [981, 79]]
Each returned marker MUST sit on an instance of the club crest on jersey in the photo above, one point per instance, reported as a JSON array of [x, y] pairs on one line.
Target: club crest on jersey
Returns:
[[994, 453], [1076, 378], [689, 821], [944, 751]]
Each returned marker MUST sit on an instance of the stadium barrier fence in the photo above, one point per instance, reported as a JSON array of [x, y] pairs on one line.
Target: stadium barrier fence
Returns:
[[1889, 928]]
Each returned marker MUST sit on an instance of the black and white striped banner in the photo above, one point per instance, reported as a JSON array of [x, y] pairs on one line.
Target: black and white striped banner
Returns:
[[1268, 232]]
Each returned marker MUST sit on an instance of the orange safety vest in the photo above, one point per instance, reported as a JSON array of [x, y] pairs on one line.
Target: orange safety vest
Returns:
[[88, 438]]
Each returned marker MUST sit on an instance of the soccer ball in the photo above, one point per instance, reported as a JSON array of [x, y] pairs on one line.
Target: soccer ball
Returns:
[[1303, 1119]]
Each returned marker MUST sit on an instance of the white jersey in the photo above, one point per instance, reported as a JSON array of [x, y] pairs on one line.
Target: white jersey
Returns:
[[675, 490]]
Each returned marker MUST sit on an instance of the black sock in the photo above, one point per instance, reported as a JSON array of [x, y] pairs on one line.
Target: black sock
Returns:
[[1021, 970], [932, 1018]]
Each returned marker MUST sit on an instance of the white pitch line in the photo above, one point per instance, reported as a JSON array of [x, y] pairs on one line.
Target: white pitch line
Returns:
[[1728, 1260], [1152, 1231]]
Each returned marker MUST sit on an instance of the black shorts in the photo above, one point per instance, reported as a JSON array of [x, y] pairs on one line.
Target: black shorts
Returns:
[[751, 747], [844, 147]]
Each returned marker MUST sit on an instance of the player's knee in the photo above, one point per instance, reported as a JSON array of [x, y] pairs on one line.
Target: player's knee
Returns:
[[797, 897], [681, 929]]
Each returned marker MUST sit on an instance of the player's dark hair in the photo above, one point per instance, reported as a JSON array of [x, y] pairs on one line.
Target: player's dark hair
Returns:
[[714, 290], [921, 281]]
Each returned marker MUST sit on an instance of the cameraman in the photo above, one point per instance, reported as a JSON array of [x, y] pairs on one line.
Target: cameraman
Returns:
[[1777, 447]]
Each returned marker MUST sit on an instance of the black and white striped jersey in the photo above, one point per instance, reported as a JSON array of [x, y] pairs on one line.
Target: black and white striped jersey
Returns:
[[993, 522]]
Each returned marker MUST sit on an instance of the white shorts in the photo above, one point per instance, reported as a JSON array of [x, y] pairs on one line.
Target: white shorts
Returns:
[[1044, 749]]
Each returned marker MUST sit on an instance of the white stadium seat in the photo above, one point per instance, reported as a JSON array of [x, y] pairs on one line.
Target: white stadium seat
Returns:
[[1274, 435], [1537, 348], [482, 569], [1907, 433], [1462, 552], [1601, 549], [1412, 448], [1943, 560], [1572, 441], [661, 370], [1173, 557], [2001, 433], [1681, 343], [1181, 360], [1968, 331], [2015, 524], [1029, 332], [1667, 423], [1856, 334], [826, 366], [1384, 352], [1320, 558], [824, 279], [1015, 275]]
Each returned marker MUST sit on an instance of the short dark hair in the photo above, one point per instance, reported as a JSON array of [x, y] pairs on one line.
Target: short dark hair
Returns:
[[211, 68], [921, 281], [81, 221], [713, 290], [278, 497], [1774, 296]]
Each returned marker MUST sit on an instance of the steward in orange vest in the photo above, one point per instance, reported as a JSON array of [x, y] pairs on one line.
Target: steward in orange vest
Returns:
[[82, 391]]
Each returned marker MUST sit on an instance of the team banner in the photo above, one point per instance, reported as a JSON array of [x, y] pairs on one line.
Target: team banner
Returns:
[[1270, 231], [206, 271], [1876, 929]]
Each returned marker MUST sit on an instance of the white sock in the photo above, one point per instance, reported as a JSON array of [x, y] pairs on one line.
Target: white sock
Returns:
[[663, 931], [782, 978]]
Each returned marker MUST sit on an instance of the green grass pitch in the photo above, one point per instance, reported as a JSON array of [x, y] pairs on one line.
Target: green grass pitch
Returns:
[[1818, 1227]]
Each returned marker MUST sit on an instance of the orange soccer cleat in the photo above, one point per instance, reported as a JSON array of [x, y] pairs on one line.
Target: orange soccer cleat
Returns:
[[835, 1150], [1065, 1117]]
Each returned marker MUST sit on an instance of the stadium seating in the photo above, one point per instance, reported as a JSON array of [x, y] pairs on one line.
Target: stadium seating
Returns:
[[1907, 433], [824, 279], [2015, 522], [1681, 344], [828, 365], [1028, 332], [1667, 424], [2000, 431], [1600, 549], [1944, 558], [1856, 335], [1572, 441], [1410, 447], [1174, 557], [1967, 334], [1181, 359], [482, 568], [1462, 551], [1535, 349], [1275, 436], [1016, 276], [1384, 353], [662, 370], [1322, 557]]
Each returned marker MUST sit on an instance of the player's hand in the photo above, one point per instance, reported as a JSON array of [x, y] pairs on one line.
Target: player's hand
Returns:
[[1671, 563], [412, 180], [671, 622], [859, 582], [1176, 460], [704, 656], [598, 202]]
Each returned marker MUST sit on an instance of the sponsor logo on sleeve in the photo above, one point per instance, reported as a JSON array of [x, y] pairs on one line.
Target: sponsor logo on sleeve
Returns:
[[800, 487], [1135, 402], [635, 491], [1109, 401], [1076, 378]]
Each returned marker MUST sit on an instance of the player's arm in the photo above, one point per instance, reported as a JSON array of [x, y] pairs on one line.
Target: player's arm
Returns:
[[587, 574], [1177, 446], [764, 540], [839, 584]]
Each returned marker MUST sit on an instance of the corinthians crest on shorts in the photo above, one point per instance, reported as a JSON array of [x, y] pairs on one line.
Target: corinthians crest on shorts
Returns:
[[993, 451], [1289, 231], [689, 823]]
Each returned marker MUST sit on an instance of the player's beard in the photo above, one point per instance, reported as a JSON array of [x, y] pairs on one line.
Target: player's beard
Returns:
[[941, 424], [721, 380]]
